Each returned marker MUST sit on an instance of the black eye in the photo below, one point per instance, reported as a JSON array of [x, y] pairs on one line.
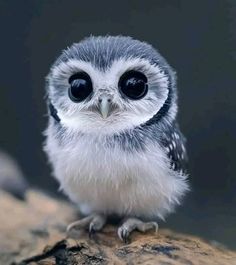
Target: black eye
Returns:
[[133, 85], [80, 87]]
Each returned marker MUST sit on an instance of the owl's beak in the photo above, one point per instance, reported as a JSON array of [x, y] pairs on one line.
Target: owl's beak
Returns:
[[104, 106]]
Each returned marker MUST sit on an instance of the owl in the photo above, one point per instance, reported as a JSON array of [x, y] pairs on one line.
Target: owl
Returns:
[[112, 138]]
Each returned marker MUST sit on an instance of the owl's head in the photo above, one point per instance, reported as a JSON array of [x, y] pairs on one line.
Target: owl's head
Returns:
[[111, 84]]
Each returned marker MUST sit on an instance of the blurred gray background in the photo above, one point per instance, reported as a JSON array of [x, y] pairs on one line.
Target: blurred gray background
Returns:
[[196, 37]]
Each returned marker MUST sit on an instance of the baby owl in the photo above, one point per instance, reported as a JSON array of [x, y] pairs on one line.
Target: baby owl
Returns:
[[112, 139]]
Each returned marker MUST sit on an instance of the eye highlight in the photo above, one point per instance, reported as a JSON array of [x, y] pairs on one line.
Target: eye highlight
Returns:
[[80, 87], [133, 85]]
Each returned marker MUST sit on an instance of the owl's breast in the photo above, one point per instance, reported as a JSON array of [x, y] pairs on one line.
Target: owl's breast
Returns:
[[108, 178]]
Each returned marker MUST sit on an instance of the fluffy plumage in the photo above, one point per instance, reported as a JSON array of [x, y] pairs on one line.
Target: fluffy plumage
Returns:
[[132, 162]]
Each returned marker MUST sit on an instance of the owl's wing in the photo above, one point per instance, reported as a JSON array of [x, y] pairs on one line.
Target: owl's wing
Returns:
[[174, 143]]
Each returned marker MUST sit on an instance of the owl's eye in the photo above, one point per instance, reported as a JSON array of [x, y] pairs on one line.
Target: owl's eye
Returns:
[[133, 84], [80, 87]]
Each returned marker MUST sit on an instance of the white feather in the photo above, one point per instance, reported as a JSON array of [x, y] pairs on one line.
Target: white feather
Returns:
[[110, 180]]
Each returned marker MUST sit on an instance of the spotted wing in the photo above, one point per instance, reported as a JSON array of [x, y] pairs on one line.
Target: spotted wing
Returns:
[[174, 142]]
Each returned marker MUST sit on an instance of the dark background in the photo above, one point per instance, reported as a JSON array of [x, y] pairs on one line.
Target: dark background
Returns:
[[196, 37]]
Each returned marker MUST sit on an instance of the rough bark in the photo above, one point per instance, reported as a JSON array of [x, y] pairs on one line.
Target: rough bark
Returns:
[[33, 232]]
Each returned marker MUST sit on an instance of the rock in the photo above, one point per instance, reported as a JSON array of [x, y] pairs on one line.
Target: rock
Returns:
[[33, 232]]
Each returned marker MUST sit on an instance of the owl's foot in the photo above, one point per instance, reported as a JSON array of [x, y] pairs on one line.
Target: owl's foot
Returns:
[[93, 223], [132, 224]]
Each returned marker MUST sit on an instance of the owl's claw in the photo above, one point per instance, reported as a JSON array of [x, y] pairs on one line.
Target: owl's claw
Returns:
[[123, 234], [91, 231], [132, 224], [96, 224], [93, 223]]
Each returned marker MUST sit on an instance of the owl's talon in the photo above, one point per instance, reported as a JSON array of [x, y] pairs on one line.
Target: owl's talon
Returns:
[[91, 231], [123, 234], [93, 223], [126, 237], [132, 224], [80, 224]]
